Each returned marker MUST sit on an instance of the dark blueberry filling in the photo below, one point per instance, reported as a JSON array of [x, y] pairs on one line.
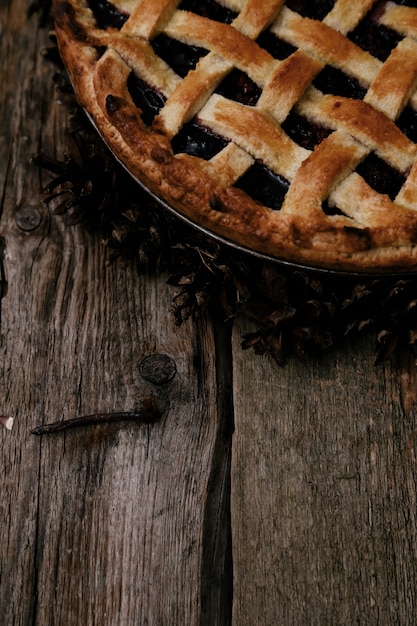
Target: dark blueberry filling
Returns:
[[333, 81], [276, 47], [269, 188], [198, 141], [146, 99], [330, 210], [375, 38], [181, 57], [304, 132], [106, 14], [407, 123], [381, 176], [264, 186], [101, 50], [209, 9], [315, 9], [239, 87]]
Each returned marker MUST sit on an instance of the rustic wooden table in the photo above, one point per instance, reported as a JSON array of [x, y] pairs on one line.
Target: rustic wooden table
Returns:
[[262, 496]]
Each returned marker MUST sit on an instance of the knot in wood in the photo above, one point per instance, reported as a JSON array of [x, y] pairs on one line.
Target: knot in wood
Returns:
[[158, 368]]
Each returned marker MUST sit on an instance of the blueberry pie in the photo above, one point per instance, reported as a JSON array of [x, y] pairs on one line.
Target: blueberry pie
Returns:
[[287, 127]]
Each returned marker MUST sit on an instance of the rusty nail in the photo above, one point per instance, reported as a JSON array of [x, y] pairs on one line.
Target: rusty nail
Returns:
[[147, 413]]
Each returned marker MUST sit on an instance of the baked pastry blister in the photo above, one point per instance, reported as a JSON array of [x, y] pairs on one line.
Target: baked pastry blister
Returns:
[[289, 128]]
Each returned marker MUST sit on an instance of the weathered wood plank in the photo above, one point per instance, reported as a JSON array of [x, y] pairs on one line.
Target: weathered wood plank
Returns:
[[324, 515], [129, 523], [111, 524], [20, 455]]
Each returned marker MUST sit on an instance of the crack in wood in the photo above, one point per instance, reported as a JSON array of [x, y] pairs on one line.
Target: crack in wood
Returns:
[[3, 281], [217, 562]]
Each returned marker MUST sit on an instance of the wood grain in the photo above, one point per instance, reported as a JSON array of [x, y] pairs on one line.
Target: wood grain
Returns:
[[113, 524], [324, 491], [306, 514]]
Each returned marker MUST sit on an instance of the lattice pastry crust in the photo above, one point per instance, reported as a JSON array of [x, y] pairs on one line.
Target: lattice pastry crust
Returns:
[[344, 198]]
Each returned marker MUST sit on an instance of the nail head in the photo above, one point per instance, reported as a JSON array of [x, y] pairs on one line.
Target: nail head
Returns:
[[28, 218], [158, 368]]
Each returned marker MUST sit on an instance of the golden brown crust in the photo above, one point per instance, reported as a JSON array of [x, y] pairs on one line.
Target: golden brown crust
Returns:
[[368, 232], [401, 19]]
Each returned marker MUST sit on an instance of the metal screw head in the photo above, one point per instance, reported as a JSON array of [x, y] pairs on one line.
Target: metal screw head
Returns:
[[28, 218], [158, 368]]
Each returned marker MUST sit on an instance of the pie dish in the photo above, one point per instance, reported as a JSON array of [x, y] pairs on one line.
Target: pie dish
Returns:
[[289, 128]]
